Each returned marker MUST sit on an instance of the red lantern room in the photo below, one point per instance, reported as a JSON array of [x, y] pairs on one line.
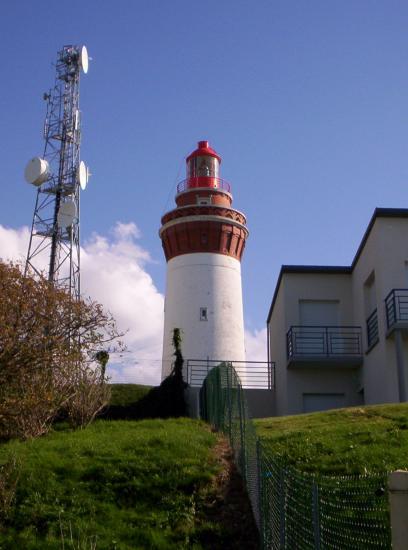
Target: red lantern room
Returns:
[[203, 167], [203, 184]]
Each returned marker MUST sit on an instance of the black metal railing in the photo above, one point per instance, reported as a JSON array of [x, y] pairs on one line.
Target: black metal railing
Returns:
[[372, 329], [396, 306], [323, 341], [253, 374]]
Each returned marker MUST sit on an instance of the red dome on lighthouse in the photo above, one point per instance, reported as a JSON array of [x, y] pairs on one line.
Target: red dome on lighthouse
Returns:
[[204, 149]]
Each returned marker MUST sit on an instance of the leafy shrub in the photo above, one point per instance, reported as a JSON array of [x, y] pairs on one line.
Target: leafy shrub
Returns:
[[48, 343]]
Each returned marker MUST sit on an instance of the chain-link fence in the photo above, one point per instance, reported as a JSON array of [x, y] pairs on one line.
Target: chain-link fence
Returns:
[[293, 509]]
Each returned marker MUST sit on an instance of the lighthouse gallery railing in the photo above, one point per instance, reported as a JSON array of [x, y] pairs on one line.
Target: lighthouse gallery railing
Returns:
[[253, 374]]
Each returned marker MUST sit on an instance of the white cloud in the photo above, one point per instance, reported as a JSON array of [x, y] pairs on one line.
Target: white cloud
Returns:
[[113, 273], [14, 243], [255, 345]]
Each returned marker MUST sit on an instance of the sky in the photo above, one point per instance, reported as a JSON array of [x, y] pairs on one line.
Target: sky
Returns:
[[305, 101]]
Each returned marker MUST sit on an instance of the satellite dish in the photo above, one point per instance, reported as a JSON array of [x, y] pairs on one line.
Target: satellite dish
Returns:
[[66, 214], [84, 59], [82, 175], [37, 171]]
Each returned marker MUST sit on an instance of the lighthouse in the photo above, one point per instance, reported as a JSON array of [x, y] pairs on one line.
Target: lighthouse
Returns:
[[203, 240]]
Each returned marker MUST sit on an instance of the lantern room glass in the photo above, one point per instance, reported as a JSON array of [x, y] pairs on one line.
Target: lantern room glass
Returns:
[[203, 166]]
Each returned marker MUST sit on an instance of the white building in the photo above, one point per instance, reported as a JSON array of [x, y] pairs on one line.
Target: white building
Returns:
[[339, 335]]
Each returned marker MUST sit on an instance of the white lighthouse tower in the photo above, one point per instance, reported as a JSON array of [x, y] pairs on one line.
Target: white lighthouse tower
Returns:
[[203, 240]]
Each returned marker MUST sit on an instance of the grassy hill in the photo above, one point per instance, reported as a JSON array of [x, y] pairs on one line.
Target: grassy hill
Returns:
[[342, 441], [126, 394], [115, 485]]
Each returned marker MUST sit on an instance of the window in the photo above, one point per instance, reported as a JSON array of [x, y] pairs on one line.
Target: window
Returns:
[[370, 302], [319, 312], [203, 314], [203, 165], [203, 201], [318, 320]]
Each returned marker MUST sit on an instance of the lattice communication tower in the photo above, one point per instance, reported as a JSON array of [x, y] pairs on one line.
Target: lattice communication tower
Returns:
[[59, 175]]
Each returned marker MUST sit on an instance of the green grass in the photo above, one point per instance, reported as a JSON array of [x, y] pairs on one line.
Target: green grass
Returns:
[[115, 485], [125, 394], [344, 441]]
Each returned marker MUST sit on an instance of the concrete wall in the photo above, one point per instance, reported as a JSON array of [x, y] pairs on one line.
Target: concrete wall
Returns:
[[326, 380], [261, 403]]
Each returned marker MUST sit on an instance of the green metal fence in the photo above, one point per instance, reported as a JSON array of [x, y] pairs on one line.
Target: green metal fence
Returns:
[[293, 509]]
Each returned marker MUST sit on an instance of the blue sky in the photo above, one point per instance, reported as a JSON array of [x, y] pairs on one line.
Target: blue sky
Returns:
[[306, 101]]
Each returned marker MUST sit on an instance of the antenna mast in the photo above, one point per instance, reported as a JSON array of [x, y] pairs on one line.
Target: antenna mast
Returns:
[[59, 175]]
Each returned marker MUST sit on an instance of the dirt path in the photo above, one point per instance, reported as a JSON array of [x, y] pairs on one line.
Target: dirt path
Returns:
[[230, 507]]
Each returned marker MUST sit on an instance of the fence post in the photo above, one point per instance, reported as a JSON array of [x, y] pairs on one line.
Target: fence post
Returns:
[[241, 430], [260, 494], [282, 507], [229, 396], [398, 497], [316, 515], [218, 401]]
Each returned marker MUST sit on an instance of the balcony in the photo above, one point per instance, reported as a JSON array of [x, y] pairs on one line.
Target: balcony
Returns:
[[396, 309], [324, 346]]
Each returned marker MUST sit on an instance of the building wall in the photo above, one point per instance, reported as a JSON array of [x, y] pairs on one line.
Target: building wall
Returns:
[[292, 383], [211, 281], [323, 381], [316, 286], [382, 259], [277, 349], [384, 255]]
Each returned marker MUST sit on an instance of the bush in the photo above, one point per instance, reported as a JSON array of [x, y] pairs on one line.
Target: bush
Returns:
[[91, 396], [48, 343]]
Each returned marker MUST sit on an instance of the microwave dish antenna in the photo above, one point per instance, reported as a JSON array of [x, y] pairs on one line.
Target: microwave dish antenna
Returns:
[[83, 175], [37, 171], [66, 214], [59, 175], [84, 59]]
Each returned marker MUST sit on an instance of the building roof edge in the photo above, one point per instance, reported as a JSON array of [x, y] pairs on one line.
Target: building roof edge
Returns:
[[316, 269], [378, 213]]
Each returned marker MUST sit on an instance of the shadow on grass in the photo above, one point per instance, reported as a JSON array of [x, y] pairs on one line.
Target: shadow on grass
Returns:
[[164, 401]]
